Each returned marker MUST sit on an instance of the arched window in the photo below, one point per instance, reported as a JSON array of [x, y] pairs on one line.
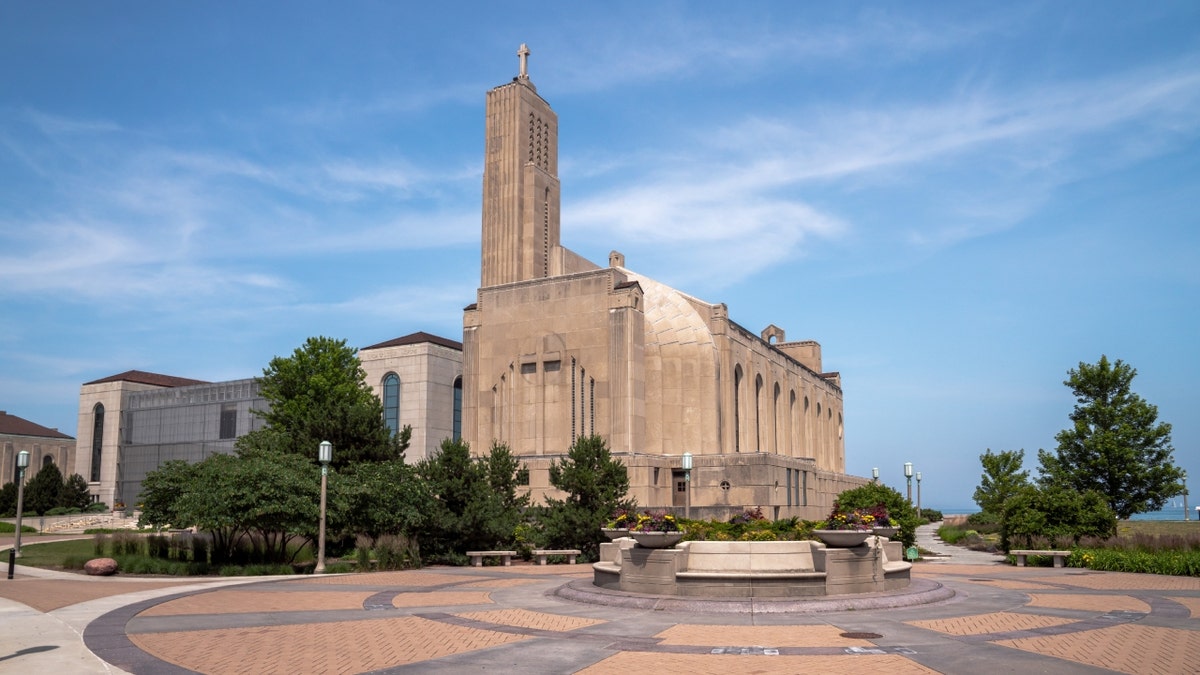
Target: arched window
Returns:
[[97, 440], [775, 426], [457, 429], [737, 408], [391, 402], [47, 461], [758, 413]]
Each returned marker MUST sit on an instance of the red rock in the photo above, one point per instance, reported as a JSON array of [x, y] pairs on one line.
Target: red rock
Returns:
[[100, 567]]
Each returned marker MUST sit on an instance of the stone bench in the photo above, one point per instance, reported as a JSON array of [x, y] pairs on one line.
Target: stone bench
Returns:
[[541, 554], [749, 569], [1060, 557], [478, 556]]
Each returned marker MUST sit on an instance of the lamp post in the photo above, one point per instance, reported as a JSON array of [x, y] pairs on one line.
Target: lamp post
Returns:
[[15, 551], [908, 477], [687, 485], [918, 493], [22, 463], [875, 474], [325, 456]]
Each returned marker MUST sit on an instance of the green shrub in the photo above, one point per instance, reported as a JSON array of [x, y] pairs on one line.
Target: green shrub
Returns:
[[397, 552], [100, 544], [97, 507], [62, 511], [931, 515]]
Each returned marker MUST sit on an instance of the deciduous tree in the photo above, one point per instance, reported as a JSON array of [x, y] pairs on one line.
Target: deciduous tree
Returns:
[[1003, 478], [1115, 445], [320, 393]]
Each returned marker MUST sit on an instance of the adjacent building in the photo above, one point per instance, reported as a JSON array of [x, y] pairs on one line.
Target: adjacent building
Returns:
[[44, 445]]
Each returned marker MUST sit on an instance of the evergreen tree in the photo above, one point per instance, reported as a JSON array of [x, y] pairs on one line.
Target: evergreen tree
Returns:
[[596, 485], [1116, 445], [477, 503], [8, 500], [44, 491], [75, 494]]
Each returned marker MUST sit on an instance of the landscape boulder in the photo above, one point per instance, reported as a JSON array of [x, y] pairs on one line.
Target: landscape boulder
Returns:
[[100, 567]]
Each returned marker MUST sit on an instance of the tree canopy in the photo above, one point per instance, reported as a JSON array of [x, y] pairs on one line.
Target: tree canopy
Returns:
[[1002, 479], [1115, 445], [320, 393]]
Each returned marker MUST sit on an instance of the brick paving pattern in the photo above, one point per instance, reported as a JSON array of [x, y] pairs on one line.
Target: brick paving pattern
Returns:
[[1089, 603], [1125, 581], [1128, 649], [527, 619], [725, 664], [1047, 619], [996, 622], [232, 601], [351, 646], [759, 636], [1192, 604]]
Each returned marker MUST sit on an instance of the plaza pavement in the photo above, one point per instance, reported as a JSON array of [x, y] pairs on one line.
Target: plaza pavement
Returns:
[[991, 618]]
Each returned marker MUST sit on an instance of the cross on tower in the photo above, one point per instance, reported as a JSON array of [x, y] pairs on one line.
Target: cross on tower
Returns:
[[523, 52]]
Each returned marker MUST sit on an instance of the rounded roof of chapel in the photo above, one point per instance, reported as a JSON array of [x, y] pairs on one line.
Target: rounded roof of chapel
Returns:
[[670, 316]]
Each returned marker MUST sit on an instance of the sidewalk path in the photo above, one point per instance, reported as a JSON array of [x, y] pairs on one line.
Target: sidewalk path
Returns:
[[508, 619], [927, 539]]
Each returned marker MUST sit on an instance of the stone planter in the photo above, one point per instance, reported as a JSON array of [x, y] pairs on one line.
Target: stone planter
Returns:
[[615, 532], [888, 532], [656, 539], [843, 538]]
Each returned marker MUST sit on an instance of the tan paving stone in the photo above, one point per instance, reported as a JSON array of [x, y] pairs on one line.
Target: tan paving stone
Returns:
[[939, 569], [1126, 581], [819, 635], [724, 664], [442, 598], [1129, 648], [1193, 604], [530, 619], [47, 595], [1012, 585], [996, 622], [497, 583], [415, 578], [1089, 603], [346, 647], [233, 601]]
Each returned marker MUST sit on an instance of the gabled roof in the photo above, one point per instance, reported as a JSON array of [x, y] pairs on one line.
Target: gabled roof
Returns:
[[142, 377], [17, 426], [418, 338]]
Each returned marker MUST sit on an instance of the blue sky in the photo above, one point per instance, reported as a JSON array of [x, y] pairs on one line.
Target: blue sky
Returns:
[[959, 201]]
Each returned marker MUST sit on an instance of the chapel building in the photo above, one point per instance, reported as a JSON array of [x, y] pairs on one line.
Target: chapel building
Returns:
[[557, 347]]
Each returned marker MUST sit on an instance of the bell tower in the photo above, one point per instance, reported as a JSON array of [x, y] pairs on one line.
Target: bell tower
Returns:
[[520, 183]]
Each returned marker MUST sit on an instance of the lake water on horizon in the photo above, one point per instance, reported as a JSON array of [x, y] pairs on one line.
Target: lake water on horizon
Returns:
[[1174, 512]]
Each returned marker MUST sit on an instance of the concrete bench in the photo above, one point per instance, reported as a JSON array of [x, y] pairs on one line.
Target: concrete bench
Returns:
[[477, 557], [541, 554], [1060, 557], [742, 568]]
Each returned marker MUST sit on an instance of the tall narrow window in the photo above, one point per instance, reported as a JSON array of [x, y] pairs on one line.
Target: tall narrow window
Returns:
[[737, 408], [457, 429], [228, 421], [775, 426], [592, 406], [758, 413], [97, 440], [572, 400], [391, 402]]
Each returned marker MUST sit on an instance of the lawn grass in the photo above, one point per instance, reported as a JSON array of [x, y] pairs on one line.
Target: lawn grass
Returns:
[[55, 555], [1158, 528], [9, 528]]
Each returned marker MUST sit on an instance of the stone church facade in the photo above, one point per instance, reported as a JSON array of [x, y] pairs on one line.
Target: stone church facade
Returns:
[[556, 347]]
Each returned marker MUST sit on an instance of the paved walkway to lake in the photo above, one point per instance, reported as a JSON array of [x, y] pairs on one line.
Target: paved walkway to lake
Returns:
[[452, 620]]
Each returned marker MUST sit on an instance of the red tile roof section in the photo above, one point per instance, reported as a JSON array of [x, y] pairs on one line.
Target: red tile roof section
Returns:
[[416, 339], [142, 377], [18, 426]]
